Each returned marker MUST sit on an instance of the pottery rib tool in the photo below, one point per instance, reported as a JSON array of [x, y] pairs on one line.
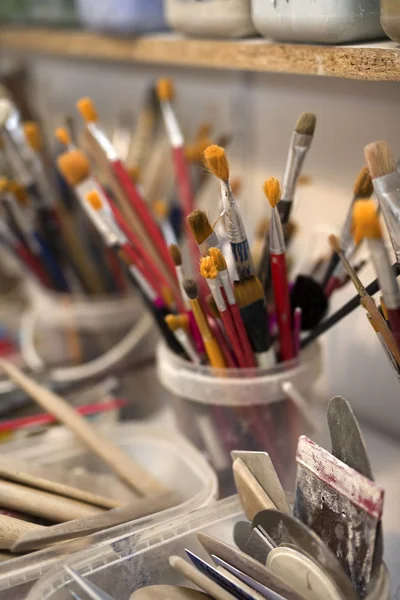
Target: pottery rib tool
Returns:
[[252, 496], [168, 592], [35, 540], [303, 574], [247, 565], [20, 472], [111, 454], [43, 504], [11, 529], [329, 491], [348, 446], [199, 579], [285, 529], [262, 468]]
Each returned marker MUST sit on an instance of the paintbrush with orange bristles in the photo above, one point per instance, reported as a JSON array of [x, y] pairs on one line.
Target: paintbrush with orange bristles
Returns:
[[132, 195], [224, 276], [366, 226], [217, 163], [179, 324], [166, 93], [272, 190]]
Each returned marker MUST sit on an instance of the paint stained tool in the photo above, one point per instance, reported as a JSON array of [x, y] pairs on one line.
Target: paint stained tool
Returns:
[[342, 506]]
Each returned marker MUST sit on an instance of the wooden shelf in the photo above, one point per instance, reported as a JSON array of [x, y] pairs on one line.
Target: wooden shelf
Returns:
[[375, 62]]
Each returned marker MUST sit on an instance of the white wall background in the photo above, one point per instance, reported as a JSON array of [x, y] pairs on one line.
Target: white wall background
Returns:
[[261, 110]]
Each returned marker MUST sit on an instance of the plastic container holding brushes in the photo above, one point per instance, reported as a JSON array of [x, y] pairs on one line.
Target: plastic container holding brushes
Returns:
[[240, 409], [320, 21], [145, 560], [211, 18], [122, 16], [168, 456]]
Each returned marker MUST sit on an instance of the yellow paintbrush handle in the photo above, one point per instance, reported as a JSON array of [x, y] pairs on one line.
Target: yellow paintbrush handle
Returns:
[[214, 353]]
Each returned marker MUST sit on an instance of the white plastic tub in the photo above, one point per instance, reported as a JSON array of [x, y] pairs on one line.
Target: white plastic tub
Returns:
[[320, 21], [147, 562], [211, 18], [167, 456]]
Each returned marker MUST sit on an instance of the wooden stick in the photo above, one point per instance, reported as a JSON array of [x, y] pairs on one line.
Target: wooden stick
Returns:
[[111, 454], [11, 529], [36, 478], [43, 504], [252, 496], [34, 540]]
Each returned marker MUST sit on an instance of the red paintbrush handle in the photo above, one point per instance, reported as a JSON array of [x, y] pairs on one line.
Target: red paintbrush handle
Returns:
[[183, 180], [116, 270], [243, 337], [394, 320], [282, 305], [219, 336], [135, 258], [140, 208], [233, 337]]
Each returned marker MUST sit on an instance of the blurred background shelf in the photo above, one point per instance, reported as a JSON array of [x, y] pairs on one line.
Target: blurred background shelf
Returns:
[[374, 62]]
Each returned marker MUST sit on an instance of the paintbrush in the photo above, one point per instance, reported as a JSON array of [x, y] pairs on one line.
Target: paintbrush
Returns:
[[373, 314], [166, 93], [209, 271], [386, 181], [224, 276], [211, 345], [345, 310], [217, 163], [277, 250], [179, 324], [329, 491], [366, 225], [127, 469], [249, 296], [300, 143], [161, 213], [333, 275]]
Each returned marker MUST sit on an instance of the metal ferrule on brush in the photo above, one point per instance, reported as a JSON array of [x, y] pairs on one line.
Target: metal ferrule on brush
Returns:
[[388, 283], [233, 220], [174, 131], [180, 276], [103, 141], [299, 146], [19, 169], [211, 242], [276, 237], [387, 189], [216, 290]]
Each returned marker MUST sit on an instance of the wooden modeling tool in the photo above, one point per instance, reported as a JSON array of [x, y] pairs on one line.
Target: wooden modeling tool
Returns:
[[124, 466], [245, 579], [11, 529], [252, 496], [215, 590], [306, 576], [285, 529], [20, 472], [329, 491], [247, 565], [43, 504], [94, 592], [34, 540], [262, 468], [348, 446], [168, 592]]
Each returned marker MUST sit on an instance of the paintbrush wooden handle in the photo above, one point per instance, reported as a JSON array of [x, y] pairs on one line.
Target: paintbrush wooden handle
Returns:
[[183, 180], [11, 529], [43, 504], [124, 466], [34, 540], [380, 325], [394, 320]]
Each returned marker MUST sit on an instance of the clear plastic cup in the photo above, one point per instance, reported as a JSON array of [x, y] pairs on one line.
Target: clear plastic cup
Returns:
[[241, 409], [147, 562]]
